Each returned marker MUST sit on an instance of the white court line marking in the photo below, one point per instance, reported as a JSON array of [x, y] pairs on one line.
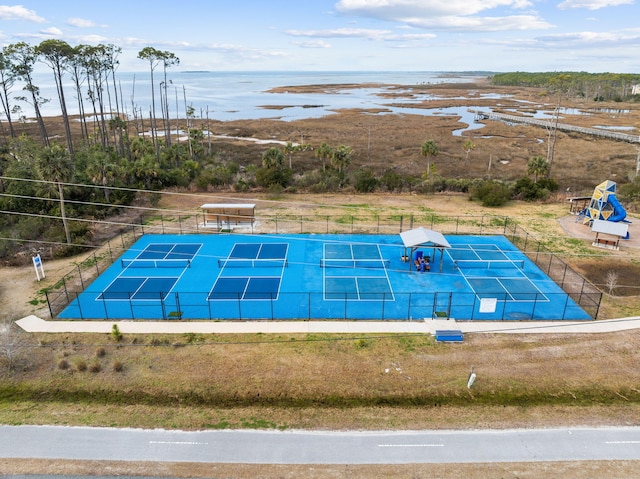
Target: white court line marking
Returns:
[[622, 442], [410, 445], [187, 443]]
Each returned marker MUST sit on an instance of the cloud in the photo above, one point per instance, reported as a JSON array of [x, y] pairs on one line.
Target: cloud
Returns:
[[448, 15], [369, 34], [313, 44], [593, 4], [18, 12], [83, 23], [43, 34], [53, 31], [341, 33], [590, 39]]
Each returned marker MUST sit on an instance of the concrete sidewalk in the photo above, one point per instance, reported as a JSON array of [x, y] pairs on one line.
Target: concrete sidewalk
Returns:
[[33, 324]]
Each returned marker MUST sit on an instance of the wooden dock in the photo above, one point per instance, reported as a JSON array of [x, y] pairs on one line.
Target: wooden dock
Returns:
[[550, 124]]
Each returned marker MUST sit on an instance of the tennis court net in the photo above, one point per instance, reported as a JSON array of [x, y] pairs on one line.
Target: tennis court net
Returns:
[[252, 263], [355, 263], [489, 264], [155, 263]]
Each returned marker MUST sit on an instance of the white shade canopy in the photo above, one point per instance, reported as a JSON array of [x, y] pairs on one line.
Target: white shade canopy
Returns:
[[423, 237]]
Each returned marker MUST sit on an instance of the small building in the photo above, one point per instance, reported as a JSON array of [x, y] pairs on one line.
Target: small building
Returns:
[[228, 215]]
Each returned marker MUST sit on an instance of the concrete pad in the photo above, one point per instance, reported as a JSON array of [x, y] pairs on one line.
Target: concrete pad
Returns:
[[33, 324]]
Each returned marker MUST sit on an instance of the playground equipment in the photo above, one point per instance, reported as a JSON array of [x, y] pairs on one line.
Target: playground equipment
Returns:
[[604, 208], [604, 205]]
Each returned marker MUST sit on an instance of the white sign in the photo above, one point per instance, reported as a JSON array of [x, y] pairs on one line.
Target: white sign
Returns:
[[488, 305], [38, 266]]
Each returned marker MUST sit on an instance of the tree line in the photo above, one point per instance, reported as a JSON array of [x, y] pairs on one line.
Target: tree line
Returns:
[[593, 86]]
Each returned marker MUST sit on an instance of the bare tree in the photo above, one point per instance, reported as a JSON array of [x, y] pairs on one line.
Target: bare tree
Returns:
[[561, 86], [13, 342], [611, 281]]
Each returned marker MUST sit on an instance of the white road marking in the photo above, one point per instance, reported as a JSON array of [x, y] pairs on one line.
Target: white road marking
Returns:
[[410, 445], [622, 442], [187, 443]]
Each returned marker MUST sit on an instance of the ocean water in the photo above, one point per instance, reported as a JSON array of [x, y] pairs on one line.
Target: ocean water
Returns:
[[228, 96]]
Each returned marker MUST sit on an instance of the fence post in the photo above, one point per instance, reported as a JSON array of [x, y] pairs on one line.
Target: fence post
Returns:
[[564, 310], [80, 275], [595, 316], [46, 293], [178, 309], [271, 304], [345, 306]]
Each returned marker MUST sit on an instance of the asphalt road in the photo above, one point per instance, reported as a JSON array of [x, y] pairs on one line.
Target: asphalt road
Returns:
[[304, 447]]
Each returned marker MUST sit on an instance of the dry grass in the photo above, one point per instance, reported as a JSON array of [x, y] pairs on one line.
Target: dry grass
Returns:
[[538, 470], [329, 381]]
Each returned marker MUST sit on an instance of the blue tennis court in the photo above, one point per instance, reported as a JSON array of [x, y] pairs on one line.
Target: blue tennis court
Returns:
[[303, 277]]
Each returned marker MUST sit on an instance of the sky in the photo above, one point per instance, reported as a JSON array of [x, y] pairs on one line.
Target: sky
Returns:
[[345, 35]]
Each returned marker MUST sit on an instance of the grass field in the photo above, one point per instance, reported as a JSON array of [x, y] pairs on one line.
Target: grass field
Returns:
[[325, 381]]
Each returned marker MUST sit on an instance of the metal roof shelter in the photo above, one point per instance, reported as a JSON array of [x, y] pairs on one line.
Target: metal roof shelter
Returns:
[[228, 215], [418, 238], [615, 230]]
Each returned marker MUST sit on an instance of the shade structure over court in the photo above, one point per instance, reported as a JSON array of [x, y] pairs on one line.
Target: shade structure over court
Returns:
[[418, 238], [228, 215]]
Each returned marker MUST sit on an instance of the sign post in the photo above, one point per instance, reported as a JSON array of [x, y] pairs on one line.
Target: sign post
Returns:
[[38, 266]]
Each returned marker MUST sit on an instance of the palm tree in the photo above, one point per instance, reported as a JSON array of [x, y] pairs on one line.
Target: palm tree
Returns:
[[324, 152], [102, 169], [54, 165], [273, 158], [429, 149], [468, 146], [538, 166], [290, 149], [341, 158]]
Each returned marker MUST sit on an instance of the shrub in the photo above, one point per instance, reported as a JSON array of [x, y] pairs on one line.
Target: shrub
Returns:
[[63, 364], [115, 333], [492, 193], [95, 367], [392, 181], [365, 182], [81, 365], [100, 352], [118, 366]]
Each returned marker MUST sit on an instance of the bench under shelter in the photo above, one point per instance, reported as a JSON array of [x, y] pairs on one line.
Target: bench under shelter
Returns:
[[416, 239]]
